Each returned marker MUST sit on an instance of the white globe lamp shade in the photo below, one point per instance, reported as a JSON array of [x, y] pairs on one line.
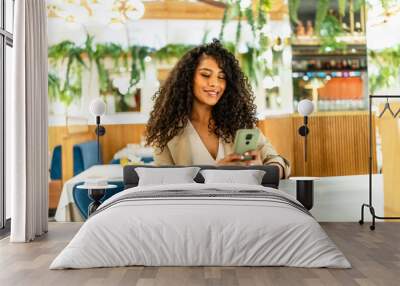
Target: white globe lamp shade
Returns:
[[305, 107], [97, 107], [139, 10]]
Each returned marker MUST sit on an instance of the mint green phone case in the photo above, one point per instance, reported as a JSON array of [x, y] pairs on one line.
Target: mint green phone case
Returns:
[[246, 140]]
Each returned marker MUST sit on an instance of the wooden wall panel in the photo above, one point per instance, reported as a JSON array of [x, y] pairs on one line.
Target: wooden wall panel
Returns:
[[55, 138], [337, 145], [175, 9], [389, 131], [278, 130], [182, 10], [67, 146], [118, 136], [338, 142]]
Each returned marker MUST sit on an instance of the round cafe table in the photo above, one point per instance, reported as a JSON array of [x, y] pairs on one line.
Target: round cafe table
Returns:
[[95, 193]]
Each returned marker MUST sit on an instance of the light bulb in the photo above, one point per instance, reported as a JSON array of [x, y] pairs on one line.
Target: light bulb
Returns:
[[305, 107], [97, 107]]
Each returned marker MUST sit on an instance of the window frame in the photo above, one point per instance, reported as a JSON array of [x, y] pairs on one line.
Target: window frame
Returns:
[[6, 39]]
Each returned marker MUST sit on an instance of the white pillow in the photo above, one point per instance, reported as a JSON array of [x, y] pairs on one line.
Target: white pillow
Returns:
[[164, 176], [249, 177]]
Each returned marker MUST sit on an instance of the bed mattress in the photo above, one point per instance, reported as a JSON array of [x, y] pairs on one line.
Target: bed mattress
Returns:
[[201, 225]]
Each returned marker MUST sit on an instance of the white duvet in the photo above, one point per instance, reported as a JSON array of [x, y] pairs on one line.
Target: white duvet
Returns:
[[200, 231]]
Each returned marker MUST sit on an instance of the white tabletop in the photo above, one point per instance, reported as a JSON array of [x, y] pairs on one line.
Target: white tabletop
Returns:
[[304, 178], [89, 187]]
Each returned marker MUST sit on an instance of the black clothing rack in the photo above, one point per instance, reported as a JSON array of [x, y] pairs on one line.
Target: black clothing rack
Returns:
[[370, 205]]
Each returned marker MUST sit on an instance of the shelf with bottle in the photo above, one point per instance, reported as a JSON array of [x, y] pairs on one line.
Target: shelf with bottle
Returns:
[[327, 74], [348, 39], [338, 105], [315, 51], [329, 64], [344, 104]]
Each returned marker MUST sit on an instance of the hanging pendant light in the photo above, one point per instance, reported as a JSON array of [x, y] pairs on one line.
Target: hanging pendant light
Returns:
[[89, 11]]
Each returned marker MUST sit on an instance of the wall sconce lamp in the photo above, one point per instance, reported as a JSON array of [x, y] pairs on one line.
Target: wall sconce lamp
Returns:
[[97, 109], [305, 108]]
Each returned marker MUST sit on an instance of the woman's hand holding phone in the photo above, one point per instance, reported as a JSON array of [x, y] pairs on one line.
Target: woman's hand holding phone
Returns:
[[256, 158], [234, 159], [230, 159], [244, 148]]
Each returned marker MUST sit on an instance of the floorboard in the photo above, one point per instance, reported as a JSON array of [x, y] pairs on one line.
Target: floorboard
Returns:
[[374, 255]]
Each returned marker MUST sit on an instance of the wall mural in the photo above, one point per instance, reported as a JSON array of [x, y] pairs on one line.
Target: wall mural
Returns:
[[120, 67], [383, 42]]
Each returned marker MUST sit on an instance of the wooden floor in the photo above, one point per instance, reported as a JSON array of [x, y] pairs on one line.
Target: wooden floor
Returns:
[[374, 255]]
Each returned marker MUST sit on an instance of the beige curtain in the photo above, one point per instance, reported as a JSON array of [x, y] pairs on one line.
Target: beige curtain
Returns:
[[27, 123]]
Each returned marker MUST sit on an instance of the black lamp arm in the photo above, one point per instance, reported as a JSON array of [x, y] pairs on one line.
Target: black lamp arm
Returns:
[[303, 130], [99, 131]]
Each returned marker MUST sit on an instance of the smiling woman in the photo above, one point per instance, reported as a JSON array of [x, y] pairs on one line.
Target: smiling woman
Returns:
[[198, 110]]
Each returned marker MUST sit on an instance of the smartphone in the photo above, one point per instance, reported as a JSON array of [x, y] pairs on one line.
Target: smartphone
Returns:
[[246, 140]]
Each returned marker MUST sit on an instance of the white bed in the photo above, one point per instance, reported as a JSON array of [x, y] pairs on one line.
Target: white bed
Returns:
[[251, 225]]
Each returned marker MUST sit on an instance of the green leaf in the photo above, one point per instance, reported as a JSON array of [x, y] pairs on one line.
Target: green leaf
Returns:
[[223, 24], [239, 27], [322, 11], [342, 7], [293, 10], [250, 19]]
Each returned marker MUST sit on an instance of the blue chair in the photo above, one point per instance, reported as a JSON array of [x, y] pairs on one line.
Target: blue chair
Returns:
[[85, 156], [115, 161], [144, 159], [82, 199], [55, 183], [56, 164], [147, 160]]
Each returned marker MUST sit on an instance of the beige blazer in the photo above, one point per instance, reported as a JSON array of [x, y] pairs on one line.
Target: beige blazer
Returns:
[[179, 152]]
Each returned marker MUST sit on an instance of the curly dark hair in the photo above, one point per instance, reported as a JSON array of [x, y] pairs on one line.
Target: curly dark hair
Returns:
[[174, 100]]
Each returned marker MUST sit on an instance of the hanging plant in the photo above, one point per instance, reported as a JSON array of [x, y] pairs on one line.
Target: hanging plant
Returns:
[[102, 54], [171, 51], [322, 11], [70, 89], [252, 65], [223, 24], [239, 27], [387, 63], [53, 86], [263, 6], [329, 32], [249, 64], [293, 10], [112, 51], [342, 7]]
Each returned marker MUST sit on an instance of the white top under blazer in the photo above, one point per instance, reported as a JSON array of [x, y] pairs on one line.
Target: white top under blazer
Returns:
[[200, 154]]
